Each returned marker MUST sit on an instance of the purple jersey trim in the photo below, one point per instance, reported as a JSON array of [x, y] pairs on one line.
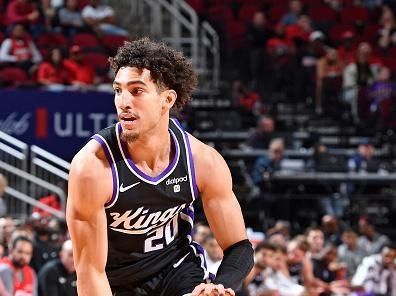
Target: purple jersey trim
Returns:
[[142, 174], [191, 160], [112, 165]]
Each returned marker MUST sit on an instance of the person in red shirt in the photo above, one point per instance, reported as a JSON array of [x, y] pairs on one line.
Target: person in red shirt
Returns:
[[54, 71], [82, 73], [22, 12], [19, 49], [15, 273]]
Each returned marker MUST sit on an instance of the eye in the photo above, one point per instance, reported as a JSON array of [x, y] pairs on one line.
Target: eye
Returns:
[[136, 91], [117, 91]]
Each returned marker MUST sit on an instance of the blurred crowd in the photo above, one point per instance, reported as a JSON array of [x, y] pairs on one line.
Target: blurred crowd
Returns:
[[329, 259], [336, 55], [57, 43]]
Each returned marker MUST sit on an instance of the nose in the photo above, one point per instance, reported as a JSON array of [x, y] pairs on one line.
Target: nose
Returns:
[[125, 100]]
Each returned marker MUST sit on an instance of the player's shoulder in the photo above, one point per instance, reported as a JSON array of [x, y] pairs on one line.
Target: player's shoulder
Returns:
[[203, 153], [89, 160]]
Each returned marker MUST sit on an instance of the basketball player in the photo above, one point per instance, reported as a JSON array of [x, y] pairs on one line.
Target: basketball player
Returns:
[[132, 188]]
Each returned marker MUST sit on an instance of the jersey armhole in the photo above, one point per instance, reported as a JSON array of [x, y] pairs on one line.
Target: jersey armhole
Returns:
[[110, 159]]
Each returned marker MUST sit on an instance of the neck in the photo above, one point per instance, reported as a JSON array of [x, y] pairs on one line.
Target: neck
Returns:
[[153, 151]]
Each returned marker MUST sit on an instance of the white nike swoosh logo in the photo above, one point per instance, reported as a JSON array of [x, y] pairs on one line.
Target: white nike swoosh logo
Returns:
[[123, 189]]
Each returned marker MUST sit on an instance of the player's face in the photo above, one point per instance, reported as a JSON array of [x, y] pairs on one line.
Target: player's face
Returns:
[[139, 101]]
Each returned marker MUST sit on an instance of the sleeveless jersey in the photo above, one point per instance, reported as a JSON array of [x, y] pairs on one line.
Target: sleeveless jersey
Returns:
[[149, 219]]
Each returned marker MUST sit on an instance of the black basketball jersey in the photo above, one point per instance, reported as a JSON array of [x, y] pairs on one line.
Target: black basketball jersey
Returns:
[[149, 219]]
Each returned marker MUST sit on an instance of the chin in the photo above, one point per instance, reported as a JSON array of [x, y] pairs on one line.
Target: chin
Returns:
[[129, 136]]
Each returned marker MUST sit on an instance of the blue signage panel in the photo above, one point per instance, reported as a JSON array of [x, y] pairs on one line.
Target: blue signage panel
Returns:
[[60, 122]]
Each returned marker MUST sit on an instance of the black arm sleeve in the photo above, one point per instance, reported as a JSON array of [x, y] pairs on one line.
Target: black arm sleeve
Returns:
[[237, 263]]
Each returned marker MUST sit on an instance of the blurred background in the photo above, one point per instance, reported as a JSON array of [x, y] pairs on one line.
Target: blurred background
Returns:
[[297, 95]]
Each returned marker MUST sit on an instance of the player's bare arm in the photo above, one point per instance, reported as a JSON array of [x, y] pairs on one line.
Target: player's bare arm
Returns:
[[89, 189], [224, 216]]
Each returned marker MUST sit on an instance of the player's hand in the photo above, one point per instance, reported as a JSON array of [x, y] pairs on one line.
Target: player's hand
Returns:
[[212, 290]]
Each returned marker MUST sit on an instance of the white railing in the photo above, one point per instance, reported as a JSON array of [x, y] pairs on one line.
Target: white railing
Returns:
[[49, 168], [46, 174], [15, 153], [21, 206], [177, 23]]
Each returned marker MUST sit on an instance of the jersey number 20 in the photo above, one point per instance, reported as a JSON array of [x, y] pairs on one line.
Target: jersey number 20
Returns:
[[161, 236]]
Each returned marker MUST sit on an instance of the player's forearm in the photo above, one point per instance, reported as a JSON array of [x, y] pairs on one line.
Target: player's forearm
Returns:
[[93, 284]]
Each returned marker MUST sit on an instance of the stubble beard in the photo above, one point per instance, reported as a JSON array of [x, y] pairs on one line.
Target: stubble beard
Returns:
[[129, 137]]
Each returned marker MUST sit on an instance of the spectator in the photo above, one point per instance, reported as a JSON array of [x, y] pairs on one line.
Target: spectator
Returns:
[[329, 82], [201, 230], [381, 101], [70, 18], [15, 273], [295, 10], [263, 133], [301, 31], [326, 267], [58, 277], [331, 230], [370, 240], [22, 12], [213, 254], [247, 100], [3, 205], [347, 49], [376, 274], [7, 228], [332, 272], [20, 49], [279, 279], [315, 238], [44, 248], [101, 19], [350, 252], [258, 33], [299, 266], [310, 47], [265, 166], [52, 201], [53, 71], [387, 33], [263, 261], [363, 161], [358, 76], [49, 14], [83, 74]]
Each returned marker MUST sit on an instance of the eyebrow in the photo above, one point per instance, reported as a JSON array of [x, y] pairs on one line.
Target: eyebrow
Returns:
[[131, 82]]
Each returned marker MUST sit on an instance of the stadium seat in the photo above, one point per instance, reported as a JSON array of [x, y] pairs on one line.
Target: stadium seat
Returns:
[[220, 2], [276, 12], [198, 5], [246, 12], [337, 30], [12, 76], [50, 39], [320, 14], [371, 32], [220, 14], [354, 15], [236, 32], [99, 61], [112, 42], [85, 40]]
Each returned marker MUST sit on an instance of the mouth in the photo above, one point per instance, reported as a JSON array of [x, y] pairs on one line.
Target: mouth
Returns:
[[127, 119]]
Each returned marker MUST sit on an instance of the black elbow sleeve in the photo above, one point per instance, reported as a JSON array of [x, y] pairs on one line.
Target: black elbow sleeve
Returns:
[[237, 263]]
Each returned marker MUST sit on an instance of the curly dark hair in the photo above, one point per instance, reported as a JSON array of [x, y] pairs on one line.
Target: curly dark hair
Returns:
[[168, 67]]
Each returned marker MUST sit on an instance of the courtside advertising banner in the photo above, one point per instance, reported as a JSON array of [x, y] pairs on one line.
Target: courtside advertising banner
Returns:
[[60, 122]]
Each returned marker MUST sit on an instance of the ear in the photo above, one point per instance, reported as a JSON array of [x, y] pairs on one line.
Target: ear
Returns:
[[170, 98]]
